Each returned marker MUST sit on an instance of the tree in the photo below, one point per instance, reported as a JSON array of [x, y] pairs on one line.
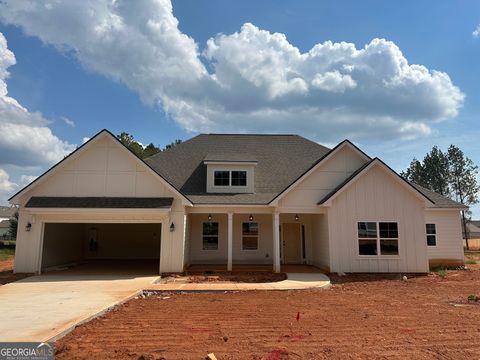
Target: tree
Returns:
[[172, 144], [142, 152], [451, 174], [431, 173], [12, 230], [463, 179]]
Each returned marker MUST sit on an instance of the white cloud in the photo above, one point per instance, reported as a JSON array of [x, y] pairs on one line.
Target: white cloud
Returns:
[[252, 80], [27, 179], [476, 32], [7, 187], [68, 121], [26, 140], [85, 139]]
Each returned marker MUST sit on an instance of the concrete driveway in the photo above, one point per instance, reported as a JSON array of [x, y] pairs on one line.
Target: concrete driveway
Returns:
[[43, 307]]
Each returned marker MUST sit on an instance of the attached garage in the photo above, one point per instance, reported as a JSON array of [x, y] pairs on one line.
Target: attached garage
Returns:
[[73, 243]]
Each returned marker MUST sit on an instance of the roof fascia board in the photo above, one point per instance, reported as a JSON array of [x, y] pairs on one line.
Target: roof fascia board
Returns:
[[320, 162]]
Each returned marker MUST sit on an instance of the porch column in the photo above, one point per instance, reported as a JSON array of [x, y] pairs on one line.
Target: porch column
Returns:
[[276, 242], [230, 241]]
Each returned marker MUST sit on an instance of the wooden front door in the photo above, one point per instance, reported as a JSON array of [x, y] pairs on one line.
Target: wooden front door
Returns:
[[292, 243]]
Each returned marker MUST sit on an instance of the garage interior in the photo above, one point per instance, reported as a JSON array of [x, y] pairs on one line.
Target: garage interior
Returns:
[[107, 245]]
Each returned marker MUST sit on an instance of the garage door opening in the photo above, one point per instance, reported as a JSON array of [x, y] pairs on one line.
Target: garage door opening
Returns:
[[109, 246]]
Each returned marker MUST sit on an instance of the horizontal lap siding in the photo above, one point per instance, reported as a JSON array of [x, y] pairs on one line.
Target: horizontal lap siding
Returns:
[[377, 196], [449, 234]]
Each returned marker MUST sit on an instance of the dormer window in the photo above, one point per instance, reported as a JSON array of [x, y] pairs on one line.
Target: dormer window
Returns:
[[239, 178], [230, 173], [230, 178], [222, 178]]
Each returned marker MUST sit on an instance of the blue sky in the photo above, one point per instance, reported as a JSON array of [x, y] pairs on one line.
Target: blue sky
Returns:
[[163, 87]]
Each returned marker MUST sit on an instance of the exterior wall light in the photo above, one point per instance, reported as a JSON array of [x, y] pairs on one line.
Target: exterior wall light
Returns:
[[28, 227], [250, 217], [296, 217], [209, 217], [172, 227]]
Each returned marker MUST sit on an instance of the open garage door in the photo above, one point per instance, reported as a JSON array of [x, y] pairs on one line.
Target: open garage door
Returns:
[[73, 243]]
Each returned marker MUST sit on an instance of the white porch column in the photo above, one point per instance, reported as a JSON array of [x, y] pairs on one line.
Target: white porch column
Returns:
[[276, 242], [230, 241]]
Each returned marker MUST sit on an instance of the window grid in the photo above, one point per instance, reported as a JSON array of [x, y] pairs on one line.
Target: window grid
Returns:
[[210, 236], [250, 236], [431, 230], [377, 238]]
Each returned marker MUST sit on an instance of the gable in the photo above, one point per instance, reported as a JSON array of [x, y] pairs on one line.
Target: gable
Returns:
[[102, 168], [322, 180]]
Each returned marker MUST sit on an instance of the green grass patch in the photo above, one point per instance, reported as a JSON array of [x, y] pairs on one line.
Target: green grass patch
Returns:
[[6, 254], [470, 261]]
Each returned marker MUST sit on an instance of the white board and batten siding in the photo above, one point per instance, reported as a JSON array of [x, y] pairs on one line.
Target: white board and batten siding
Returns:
[[377, 196], [102, 168], [449, 242], [324, 179]]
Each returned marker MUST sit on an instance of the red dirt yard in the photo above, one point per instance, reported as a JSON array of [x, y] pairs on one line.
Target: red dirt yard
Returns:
[[360, 316]]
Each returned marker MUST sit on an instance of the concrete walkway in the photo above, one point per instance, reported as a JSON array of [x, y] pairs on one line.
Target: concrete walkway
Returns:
[[294, 281], [40, 308]]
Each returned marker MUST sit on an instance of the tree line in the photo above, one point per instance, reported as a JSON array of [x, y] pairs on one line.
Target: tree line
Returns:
[[143, 151], [451, 174]]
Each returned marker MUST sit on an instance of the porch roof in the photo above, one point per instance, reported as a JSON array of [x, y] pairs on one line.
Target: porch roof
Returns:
[[100, 202]]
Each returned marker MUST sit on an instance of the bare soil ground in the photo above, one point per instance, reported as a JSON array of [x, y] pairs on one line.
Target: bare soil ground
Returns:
[[226, 277], [360, 316]]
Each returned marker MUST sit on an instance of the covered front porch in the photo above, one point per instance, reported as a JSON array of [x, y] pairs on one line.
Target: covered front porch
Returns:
[[255, 240]]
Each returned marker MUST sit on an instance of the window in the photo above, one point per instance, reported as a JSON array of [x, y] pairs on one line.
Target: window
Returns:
[[431, 234], [249, 236], [210, 236], [388, 238], [373, 242], [222, 178], [239, 178], [367, 238]]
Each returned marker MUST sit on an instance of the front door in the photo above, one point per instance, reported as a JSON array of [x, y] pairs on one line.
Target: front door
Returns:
[[292, 243]]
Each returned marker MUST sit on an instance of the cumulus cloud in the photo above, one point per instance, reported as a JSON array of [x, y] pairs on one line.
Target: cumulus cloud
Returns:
[[251, 80], [7, 187], [27, 179], [26, 139], [476, 32]]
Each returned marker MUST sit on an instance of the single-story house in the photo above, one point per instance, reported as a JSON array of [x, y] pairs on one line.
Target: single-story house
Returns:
[[234, 199]]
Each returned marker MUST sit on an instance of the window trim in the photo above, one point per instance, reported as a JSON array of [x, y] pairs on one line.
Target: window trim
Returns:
[[427, 234], [377, 239], [229, 171], [241, 237], [239, 186], [217, 236], [229, 178]]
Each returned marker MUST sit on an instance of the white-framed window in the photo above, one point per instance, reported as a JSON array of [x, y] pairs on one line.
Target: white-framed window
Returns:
[[431, 230], [221, 178], [377, 238], [230, 178], [210, 236], [239, 178], [250, 236]]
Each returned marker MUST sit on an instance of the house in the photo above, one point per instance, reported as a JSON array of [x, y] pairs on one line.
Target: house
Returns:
[[473, 231], [234, 199], [7, 212]]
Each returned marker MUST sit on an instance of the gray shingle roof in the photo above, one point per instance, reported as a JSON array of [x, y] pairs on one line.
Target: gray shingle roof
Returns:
[[99, 202], [281, 160], [4, 224], [439, 200], [227, 157]]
